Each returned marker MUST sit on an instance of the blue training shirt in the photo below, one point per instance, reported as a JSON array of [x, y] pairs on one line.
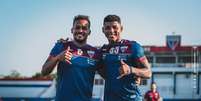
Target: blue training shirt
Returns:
[[124, 89], [75, 81]]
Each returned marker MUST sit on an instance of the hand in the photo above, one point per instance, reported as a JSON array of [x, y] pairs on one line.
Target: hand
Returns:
[[64, 40], [65, 55], [137, 80], [68, 55], [124, 69]]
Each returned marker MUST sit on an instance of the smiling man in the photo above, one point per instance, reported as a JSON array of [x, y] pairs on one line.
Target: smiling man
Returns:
[[124, 63], [76, 63]]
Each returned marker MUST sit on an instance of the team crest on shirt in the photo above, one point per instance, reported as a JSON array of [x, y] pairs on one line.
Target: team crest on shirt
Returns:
[[91, 53], [123, 48], [79, 52]]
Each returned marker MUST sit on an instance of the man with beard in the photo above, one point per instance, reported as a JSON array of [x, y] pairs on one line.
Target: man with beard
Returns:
[[124, 63], [76, 63]]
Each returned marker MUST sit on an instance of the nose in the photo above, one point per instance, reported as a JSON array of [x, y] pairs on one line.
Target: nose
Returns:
[[111, 30], [80, 30]]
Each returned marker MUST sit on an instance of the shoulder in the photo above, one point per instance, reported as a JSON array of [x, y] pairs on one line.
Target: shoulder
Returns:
[[135, 44], [63, 42], [61, 45], [58, 45], [68, 43], [125, 41], [132, 42], [104, 47], [90, 47]]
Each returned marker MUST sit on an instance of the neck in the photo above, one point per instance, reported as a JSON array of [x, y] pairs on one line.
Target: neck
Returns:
[[114, 42], [79, 44]]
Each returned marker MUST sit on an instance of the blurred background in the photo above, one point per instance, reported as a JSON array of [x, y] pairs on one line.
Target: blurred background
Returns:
[[169, 31]]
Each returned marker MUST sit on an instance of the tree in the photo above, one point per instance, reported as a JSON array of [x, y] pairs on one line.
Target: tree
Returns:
[[37, 75], [14, 74]]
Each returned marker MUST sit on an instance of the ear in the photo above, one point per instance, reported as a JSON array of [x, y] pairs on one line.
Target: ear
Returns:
[[89, 31], [103, 29], [71, 30], [121, 28]]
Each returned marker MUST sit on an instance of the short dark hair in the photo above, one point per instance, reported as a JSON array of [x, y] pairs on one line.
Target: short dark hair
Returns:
[[81, 17], [153, 82], [111, 18]]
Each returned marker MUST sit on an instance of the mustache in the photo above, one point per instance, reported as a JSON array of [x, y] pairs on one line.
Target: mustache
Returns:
[[108, 34], [80, 33]]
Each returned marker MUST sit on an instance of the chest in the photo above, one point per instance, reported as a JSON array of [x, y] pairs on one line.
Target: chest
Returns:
[[115, 53], [82, 57]]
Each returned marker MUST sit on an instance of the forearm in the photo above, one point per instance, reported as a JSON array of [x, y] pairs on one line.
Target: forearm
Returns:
[[141, 72], [49, 65], [143, 68]]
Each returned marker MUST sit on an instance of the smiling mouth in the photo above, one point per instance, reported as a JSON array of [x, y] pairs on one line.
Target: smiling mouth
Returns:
[[112, 35], [80, 36]]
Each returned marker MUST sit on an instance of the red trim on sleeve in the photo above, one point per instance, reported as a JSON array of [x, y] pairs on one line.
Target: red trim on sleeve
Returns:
[[141, 59]]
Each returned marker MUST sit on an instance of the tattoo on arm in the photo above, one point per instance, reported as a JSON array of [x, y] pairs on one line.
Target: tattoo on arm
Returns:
[[143, 68]]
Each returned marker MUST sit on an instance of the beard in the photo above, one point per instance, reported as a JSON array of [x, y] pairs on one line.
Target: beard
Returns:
[[80, 38]]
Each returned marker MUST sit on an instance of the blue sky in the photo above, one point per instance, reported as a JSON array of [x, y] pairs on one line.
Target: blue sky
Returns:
[[29, 28]]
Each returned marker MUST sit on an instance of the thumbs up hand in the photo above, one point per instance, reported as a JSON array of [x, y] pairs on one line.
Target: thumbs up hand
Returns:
[[68, 55], [124, 69]]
